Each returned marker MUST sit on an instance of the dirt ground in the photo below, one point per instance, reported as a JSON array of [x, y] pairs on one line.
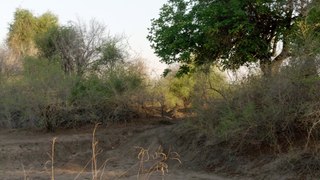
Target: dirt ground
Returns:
[[149, 149], [131, 151]]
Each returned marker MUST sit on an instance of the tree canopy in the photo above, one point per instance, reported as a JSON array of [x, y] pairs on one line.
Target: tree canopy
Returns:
[[81, 47], [229, 32], [25, 28]]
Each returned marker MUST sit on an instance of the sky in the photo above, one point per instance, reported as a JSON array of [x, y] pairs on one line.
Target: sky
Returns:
[[128, 17]]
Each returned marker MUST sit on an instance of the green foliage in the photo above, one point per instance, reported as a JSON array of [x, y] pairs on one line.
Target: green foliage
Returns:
[[181, 93], [210, 82], [110, 84], [181, 89], [22, 31], [166, 72], [61, 43], [28, 97], [89, 90], [42, 74], [45, 42], [82, 48], [77, 74], [232, 32], [42, 95], [71, 75], [111, 54], [111, 95], [308, 32], [25, 28], [45, 22], [175, 92], [273, 113]]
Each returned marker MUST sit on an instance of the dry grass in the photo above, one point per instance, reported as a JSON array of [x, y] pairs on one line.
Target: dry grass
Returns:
[[94, 145], [52, 157], [150, 163], [97, 172], [51, 161], [157, 161]]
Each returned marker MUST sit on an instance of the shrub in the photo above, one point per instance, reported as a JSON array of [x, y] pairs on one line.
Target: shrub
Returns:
[[110, 95], [276, 112], [42, 95], [27, 97], [175, 94]]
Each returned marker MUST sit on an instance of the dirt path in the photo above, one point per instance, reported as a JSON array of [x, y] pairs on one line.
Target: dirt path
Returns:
[[25, 154]]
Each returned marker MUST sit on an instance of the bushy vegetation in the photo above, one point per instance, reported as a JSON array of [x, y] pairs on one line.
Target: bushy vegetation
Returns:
[[275, 108], [74, 74], [112, 94], [26, 97], [42, 95], [276, 112], [66, 76], [62, 76]]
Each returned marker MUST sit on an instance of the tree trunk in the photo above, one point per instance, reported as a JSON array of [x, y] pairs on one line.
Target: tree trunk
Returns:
[[272, 66]]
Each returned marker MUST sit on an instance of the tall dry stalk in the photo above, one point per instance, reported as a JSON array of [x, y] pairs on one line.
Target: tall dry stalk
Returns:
[[25, 176], [52, 157], [94, 144], [96, 171]]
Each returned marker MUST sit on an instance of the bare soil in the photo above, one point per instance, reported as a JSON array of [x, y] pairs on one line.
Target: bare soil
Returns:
[[169, 150], [25, 154]]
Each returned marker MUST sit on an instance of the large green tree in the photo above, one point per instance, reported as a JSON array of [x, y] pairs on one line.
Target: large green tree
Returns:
[[229, 32]]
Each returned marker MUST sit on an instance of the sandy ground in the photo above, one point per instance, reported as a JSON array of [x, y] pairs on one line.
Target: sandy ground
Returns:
[[26, 154]]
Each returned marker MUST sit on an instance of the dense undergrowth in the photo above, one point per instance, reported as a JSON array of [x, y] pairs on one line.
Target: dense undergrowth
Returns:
[[42, 95], [261, 111], [268, 115]]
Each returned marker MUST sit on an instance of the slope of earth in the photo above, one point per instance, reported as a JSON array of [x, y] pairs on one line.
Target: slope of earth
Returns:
[[132, 151], [145, 150]]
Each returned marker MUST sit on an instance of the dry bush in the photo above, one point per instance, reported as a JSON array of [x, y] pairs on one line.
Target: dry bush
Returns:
[[261, 117], [111, 96], [306, 165], [42, 95], [10, 64], [275, 113], [31, 97]]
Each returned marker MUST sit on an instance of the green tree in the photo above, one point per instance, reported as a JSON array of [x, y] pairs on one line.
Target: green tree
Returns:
[[25, 28], [230, 32], [111, 54], [21, 32], [81, 48], [45, 22], [306, 41], [61, 44]]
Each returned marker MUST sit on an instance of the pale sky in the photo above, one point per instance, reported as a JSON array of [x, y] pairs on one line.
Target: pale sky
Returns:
[[129, 17]]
